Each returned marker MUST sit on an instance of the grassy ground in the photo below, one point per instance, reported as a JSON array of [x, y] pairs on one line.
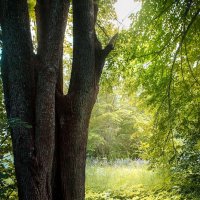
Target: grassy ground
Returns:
[[125, 179]]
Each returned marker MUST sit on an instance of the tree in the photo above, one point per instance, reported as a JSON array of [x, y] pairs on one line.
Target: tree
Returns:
[[50, 134], [165, 40], [118, 127], [161, 53]]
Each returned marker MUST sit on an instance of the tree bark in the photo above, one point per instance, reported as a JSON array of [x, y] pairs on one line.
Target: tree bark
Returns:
[[50, 137], [18, 84]]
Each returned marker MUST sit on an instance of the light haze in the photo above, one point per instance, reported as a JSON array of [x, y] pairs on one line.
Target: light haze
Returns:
[[123, 9]]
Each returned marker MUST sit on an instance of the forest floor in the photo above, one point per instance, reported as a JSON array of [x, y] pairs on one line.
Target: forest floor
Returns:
[[126, 180]]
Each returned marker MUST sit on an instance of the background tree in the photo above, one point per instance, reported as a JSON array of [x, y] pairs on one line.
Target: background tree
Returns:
[[49, 143], [165, 53], [157, 59], [118, 127]]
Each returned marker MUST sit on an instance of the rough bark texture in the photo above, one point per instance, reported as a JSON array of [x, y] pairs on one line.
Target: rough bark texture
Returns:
[[18, 83], [50, 155]]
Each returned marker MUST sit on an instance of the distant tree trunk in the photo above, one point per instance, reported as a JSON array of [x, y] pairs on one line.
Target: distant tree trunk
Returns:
[[50, 129]]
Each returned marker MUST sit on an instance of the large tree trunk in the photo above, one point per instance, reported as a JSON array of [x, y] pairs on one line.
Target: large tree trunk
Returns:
[[49, 129], [18, 84]]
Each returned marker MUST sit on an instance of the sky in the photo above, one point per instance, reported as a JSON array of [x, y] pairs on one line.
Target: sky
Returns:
[[123, 9]]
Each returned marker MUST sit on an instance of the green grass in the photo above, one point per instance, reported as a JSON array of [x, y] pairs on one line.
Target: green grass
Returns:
[[126, 180]]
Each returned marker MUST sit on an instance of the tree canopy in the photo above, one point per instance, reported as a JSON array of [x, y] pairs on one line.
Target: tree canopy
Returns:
[[149, 102]]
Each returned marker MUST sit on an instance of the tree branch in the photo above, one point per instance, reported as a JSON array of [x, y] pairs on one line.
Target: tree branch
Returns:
[[101, 56], [102, 29], [41, 13], [164, 10], [184, 34], [110, 46], [51, 18], [83, 71], [189, 66]]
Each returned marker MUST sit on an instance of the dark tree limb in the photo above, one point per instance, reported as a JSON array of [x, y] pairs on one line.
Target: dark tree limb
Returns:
[[42, 16], [101, 54], [82, 77], [79, 102], [110, 46], [51, 21], [18, 83], [51, 17]]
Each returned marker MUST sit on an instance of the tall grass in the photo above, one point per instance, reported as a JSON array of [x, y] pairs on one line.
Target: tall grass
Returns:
[[126, 179], [104, 175]]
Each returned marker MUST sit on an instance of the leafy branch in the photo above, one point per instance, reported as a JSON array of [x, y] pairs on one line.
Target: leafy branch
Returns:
[[185, 31], [18, 123]]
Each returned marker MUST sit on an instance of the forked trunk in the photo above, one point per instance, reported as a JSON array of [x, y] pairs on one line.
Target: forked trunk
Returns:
[[72, 146], [50, 129]]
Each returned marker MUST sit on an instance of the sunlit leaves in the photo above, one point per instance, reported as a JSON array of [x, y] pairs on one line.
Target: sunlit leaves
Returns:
[[7, 177], [118, 128], [167, 66]]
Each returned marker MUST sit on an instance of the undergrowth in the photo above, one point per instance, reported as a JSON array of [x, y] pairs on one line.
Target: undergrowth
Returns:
[[127, 180]]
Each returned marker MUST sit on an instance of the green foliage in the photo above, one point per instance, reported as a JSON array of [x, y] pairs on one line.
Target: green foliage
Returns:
[[165, 42], [105, 27], [126, 179], [7, 174], [136, 193], [31, 7], [118, 127]]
